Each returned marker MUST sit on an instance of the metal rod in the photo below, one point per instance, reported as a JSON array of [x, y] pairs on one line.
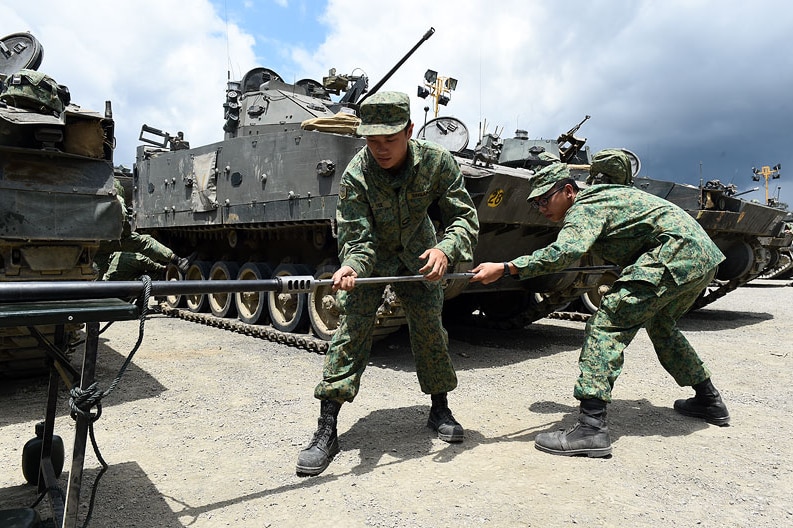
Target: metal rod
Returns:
[[34, 291]]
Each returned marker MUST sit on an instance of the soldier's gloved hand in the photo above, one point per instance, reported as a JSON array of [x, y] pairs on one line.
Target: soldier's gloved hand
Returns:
[[436, 265], [344, 278]]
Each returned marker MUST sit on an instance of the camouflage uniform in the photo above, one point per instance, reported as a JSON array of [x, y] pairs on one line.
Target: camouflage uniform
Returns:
[[124, 265], [667, 260], [141, 252], [383, 228]]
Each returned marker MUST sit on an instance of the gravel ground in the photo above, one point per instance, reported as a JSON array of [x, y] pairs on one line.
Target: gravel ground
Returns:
[[205, 427]]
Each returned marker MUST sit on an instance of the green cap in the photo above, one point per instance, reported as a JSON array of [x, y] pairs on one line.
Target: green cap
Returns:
[[384, 113], [548, 157], [545, 178], [610, 166]]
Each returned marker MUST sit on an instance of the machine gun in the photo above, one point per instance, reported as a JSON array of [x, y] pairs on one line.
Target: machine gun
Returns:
[[569, 145], [165, 139]]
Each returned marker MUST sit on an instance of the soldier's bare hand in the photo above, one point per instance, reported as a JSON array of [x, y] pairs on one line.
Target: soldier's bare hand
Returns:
[[344, 278], [436, 265], [488, 272]]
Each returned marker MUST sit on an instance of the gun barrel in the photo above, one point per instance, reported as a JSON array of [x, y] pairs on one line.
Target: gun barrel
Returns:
[[388, 75]]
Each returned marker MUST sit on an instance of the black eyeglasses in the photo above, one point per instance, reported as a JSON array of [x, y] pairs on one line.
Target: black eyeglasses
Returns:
[[543, 202]]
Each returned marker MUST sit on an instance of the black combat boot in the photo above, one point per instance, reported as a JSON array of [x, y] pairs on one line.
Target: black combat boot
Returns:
[[706, 404], [441, 420], [589, 436], [315, 458]]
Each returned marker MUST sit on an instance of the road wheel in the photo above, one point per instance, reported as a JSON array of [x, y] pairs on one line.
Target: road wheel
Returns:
[[252, 306], [199, 270], [172, 274], [222, 304], [322, 308], [288, 311]]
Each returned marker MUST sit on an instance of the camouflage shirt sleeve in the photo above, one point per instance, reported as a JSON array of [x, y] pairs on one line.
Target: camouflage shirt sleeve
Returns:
[[579, 232], [644, 234], [355, 220]]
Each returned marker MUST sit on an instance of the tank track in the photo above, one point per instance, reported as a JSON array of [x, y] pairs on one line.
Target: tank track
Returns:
[[718, 289], [302, 341], [782, 269]]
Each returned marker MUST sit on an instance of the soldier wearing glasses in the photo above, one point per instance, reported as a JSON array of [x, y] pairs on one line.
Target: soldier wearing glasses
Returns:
[[666, 260]]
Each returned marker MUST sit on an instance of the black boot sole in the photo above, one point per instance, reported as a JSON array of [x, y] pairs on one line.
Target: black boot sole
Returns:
[[721, 421], [600, 452], [312, 471]]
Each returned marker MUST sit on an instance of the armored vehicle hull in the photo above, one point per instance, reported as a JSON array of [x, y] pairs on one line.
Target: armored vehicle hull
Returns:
[[262, 202], [57, 200], [749, 234]]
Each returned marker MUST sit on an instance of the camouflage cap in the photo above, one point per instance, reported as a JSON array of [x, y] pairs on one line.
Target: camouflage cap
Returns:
[[610, 166], [548, 157], [384, 113], [545, 178]]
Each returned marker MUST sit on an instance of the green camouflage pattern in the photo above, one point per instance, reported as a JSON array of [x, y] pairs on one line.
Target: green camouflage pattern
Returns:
[[146, 246], [546, 177], [644, 234], [629, 306], [153, 256], [349, 352], [126, 266], [667, 259], [34, 90], [610, 166], [384, 113], [383, 227]]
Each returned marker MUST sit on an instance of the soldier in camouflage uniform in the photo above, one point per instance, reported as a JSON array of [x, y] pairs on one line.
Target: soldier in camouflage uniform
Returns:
[[125, 266], [666, 260], [134, 254], [385, 230]]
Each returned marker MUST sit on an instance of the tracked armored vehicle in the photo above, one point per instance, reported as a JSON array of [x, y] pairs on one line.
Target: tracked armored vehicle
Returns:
[[57, 200], [752, 236], [749, 234], [262, 202]]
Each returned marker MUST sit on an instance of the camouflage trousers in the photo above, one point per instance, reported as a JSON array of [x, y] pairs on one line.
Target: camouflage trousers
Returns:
[[349, 350], [146, 245], [629, 306], [125, 266]]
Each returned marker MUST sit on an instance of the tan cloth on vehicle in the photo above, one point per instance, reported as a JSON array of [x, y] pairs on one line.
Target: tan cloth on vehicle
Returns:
[[341, 123]]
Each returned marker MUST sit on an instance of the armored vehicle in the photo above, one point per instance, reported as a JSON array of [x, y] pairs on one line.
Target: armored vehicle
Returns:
[[56, 188], [262, 202], [749, 234]]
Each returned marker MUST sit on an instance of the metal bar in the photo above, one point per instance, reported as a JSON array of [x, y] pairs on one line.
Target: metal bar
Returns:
[[14, 292], [81, 429], [47, 479]]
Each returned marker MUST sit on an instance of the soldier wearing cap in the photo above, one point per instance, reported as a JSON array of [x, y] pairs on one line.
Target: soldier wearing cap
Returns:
[[385, 230], [666, 259]]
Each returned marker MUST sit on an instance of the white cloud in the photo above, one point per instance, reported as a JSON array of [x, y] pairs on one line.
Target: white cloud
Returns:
[[679, 81]]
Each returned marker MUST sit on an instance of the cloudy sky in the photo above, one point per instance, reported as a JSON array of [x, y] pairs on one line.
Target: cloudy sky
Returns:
[[697, 88]]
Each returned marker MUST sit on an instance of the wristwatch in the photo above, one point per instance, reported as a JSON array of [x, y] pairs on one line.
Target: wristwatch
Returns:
[[507, 273]]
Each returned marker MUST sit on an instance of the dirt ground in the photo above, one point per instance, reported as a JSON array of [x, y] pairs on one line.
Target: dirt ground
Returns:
[[205, 427]]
